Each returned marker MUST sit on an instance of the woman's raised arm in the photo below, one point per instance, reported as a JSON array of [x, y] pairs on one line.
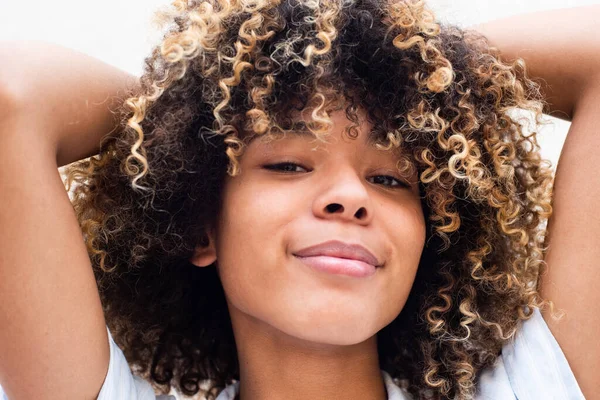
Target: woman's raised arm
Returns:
[[559, 46], [72, 93], [53, 339], [562, 47]]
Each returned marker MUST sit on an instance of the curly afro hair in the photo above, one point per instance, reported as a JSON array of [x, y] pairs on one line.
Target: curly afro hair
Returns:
[[227, 71]]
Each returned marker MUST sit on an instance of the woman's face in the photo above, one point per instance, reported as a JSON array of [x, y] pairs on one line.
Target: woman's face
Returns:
[[346, 190]]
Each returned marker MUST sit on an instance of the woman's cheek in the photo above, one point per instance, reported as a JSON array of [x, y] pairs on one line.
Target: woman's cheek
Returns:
[[272, 202]]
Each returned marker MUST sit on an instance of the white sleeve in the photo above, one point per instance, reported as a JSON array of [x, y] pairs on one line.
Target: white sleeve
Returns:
[[536, 365], [120, 383]]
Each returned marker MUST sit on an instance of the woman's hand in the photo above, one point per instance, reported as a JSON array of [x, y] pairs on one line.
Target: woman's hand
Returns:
[[67, 92]]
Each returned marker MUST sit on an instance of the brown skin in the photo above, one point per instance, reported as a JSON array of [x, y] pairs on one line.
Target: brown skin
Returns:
[[301, 333], [37, 359], [573, 277], [50, 309]]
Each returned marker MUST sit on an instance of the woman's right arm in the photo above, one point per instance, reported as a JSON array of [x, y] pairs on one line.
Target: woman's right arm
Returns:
[[72, 93], [53, 340]]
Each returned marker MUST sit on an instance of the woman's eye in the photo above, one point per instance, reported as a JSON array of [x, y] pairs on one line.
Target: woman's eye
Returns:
[[289, 167], [285, 167], [387, 180]]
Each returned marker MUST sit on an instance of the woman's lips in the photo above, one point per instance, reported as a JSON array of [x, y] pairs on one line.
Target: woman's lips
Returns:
[[339, 249], [337, 257], [336, 265]]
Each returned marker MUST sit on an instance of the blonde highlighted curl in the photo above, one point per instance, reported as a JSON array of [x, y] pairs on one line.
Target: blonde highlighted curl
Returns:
[[228, 71]]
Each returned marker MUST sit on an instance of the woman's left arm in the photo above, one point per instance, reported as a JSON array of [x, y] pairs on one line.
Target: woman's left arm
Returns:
[[562, 47]]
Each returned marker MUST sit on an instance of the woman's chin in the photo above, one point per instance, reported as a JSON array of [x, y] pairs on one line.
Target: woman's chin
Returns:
[[329, 331]]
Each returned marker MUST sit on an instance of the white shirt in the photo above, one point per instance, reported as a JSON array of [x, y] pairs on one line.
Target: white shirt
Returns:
[[532, 366]]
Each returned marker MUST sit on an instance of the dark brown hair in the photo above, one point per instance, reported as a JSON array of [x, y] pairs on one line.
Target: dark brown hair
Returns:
[[228, 71]]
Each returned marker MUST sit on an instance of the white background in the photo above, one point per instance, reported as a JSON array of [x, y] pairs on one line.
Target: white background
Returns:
[[121, 33]]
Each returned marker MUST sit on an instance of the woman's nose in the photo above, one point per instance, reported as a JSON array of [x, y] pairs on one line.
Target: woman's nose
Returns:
[[346, 197]]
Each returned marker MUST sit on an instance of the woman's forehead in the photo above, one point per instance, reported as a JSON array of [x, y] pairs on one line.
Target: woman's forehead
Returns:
[[361, 132]]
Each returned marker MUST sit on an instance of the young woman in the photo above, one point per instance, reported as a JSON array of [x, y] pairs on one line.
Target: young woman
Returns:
[[303, 199]]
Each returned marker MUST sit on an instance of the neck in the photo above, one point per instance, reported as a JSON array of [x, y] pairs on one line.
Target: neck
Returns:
[[274, 365]]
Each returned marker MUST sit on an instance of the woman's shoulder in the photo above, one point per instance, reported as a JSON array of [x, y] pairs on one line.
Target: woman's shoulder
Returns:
[[531, 366]]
